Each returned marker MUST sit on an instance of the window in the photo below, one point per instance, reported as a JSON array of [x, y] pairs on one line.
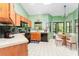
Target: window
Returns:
[[76, 26], [58, 27], [54, 29], [68, 27], [61, 27], [38, 25]]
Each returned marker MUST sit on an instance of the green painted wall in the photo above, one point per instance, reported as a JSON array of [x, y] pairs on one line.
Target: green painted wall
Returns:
[[46, 18], [43, 18], [19, 10], [50, 17], [58, 19], [72, 17]]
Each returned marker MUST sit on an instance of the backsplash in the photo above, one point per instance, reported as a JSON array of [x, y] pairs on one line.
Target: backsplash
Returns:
[[3, 29]]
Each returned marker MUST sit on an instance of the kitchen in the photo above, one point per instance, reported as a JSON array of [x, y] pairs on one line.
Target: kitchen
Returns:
[[12, 27], [9, 35], [19, 30]]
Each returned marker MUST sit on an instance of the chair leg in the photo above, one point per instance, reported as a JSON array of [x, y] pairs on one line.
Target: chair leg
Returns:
[[70, 45], [56, 41], [73, 44]]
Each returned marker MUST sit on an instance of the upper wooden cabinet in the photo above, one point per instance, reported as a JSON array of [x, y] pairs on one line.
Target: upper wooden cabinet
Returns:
[[17, 21], [4, 10], [29, 23], [12, 13], [25, 20], [7, 14], [22, 19], [4, 13]]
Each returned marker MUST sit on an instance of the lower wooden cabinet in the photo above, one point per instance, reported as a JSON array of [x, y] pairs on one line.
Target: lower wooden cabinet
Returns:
[[44, 37], [16, 50], [34, 37]]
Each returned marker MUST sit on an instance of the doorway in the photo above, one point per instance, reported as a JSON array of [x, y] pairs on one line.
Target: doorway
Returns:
[[58, 27]]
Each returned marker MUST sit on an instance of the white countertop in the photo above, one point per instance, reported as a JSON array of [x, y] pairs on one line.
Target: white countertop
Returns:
[[18, 39], [41, 31]]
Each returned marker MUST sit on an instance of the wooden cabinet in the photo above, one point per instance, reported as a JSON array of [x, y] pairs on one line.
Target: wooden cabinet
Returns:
[[17, 21], [16, 50], [4, 13], [20, 19], [44, 37], [4, 10], [30, 24], [12, 13], [7, 14], [35, 36], [25, 20]]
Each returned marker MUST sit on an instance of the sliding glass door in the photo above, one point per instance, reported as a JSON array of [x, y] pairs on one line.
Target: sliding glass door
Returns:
[[68, 27], [58, 27], [76, 26]]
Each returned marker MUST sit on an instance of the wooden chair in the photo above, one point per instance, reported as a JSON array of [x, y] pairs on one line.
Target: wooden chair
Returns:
[[58, 39], [72, 41]]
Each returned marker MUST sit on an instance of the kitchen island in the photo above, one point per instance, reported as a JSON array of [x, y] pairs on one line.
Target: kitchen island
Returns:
[[16, 46], [42, 37]]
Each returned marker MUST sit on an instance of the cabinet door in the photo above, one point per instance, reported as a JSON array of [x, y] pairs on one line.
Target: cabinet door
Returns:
[[12, 13], [23, 19], [4, 10], [29, 23], [44, 37], [23, 50], [35, 36], [17, 22]]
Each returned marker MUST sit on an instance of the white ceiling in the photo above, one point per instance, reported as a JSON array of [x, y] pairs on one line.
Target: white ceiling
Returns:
[[55, 9]]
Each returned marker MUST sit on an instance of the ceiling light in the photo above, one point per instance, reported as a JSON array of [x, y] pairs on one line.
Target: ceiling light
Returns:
[[46, 3]]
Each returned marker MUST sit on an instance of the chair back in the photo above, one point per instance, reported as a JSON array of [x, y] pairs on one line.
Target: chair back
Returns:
[[73, 37]]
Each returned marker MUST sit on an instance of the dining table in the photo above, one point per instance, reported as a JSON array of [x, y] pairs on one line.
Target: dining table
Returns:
[[64, 39]]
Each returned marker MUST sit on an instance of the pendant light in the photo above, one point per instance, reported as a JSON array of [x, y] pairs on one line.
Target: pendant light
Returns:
[[65, 11]]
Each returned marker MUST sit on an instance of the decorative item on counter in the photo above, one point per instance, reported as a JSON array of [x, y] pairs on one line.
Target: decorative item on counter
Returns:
[[6, 34]]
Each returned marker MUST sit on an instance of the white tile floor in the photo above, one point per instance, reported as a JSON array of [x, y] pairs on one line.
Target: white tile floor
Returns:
[[49, 49]]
